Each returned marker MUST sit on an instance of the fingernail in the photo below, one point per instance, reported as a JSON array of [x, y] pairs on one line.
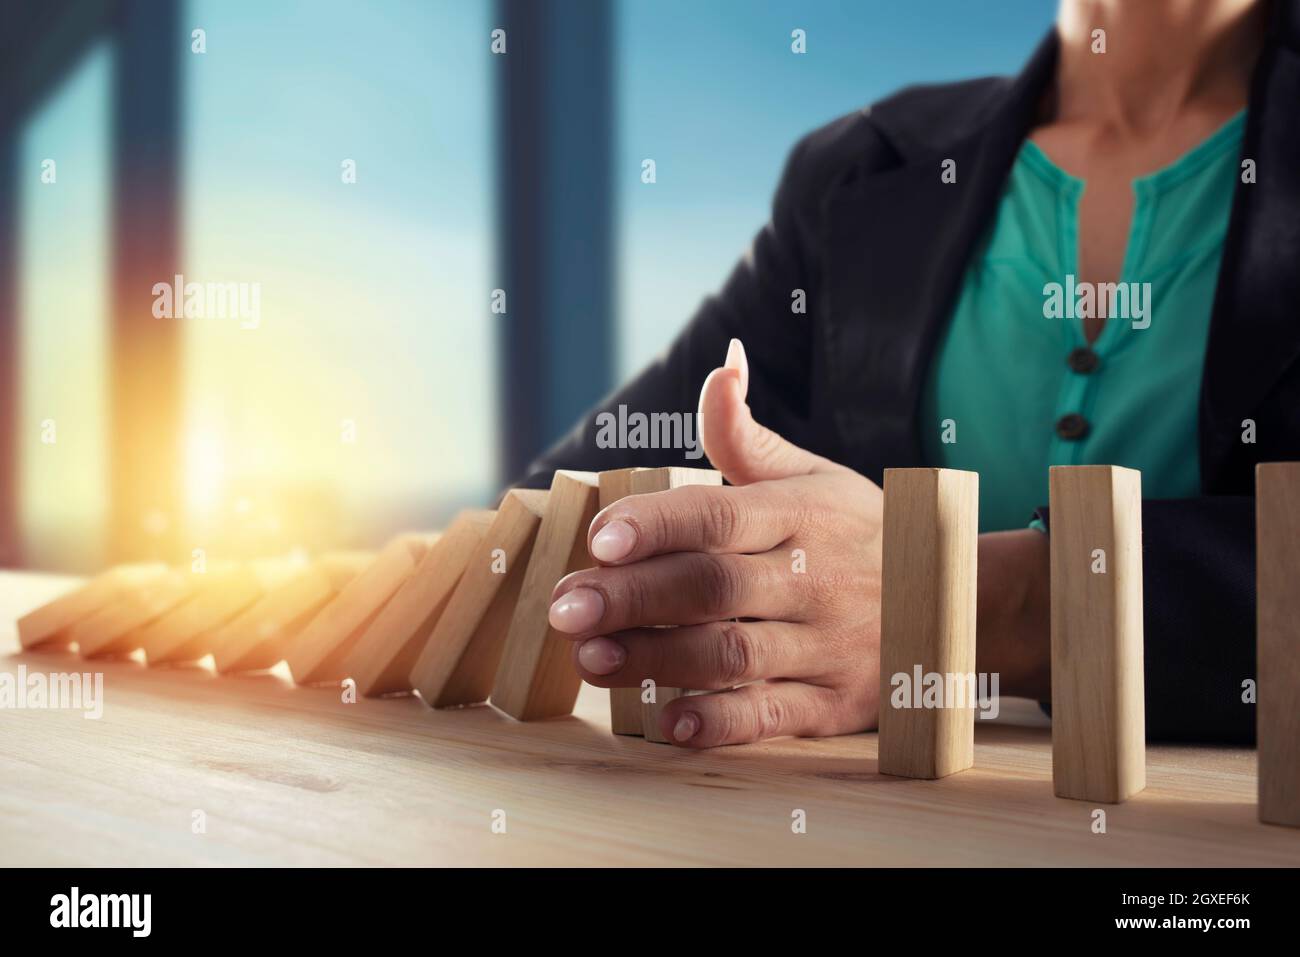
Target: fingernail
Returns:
[[601, 656], [686, 726], [577, 610], [736, 359], [613, 542]]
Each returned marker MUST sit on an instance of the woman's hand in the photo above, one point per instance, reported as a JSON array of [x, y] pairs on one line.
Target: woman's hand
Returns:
[[772, 584]]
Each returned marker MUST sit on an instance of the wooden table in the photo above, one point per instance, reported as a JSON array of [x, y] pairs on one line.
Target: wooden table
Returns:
[[287, 775]]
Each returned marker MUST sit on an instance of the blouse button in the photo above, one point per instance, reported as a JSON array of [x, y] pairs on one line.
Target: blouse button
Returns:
[[1083, 361], [1072, 427]]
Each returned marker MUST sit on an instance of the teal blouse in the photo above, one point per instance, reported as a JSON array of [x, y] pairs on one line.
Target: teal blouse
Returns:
[[1014, 389]]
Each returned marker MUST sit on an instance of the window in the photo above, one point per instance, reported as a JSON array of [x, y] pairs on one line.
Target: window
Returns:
[[714, 94], [361, 399], [63, 213]]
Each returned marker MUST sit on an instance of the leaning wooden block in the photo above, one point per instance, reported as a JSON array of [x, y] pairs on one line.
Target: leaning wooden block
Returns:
[[661, 480], [461, 657], [536, 678], [319, 653], [115, 628], [1098, 697], [381, 661], [256, 639], [927, 622], [624, 703], [185, 633], [49, 625], [1277, 553]]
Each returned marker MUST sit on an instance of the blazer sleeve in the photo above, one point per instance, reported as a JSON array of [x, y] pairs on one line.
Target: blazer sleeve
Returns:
[[1198, 583], [757, 305]]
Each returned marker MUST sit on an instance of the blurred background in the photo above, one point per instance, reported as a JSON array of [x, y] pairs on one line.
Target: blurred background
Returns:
[[375, 171]]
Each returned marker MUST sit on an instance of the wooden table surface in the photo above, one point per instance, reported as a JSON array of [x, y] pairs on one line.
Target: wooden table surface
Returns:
[[287, 775]]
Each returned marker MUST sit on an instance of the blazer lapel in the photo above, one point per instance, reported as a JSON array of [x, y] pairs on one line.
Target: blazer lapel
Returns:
[[1255, 327], [898, 242]]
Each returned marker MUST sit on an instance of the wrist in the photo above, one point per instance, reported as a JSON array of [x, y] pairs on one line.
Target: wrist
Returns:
[[1013, 616]]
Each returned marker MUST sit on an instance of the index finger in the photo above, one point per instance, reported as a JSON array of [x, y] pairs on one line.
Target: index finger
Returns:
[[693, 518]]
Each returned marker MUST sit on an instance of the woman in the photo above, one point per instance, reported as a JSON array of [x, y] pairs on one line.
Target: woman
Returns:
[[1155, 146]]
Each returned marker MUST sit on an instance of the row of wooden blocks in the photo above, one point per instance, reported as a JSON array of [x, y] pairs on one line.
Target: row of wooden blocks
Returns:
[[462, 617], [1098, 694]]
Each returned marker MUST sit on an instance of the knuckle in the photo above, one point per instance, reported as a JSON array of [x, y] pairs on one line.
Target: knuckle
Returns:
[[628, 601], [720, 518], [770, 715], [737, 654], [719, 582]]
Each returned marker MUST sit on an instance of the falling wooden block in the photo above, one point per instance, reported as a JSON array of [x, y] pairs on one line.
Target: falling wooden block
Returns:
[[185, 632], [256, 639], [460, 659], [115, 628], [1098, 698], [49, 625], [1277, 553], [381, 661], [644, 481], [536, 677], [319, 653], [624, 703], [927, 622]]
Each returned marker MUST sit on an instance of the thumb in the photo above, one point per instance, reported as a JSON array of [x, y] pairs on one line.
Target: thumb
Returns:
[[741, 449]]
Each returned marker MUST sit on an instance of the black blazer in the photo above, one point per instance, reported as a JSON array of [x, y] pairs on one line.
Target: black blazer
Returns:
[[862, 223]]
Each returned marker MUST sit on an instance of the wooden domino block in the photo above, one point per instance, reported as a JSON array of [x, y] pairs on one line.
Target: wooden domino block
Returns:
[[624, 703], [185, 633], [927, 622], [1098, 698], [461, 657], [381, 661], [1277, 553], [256, 639], [49, 626], [115, 628], [536, 677], [319, 653], [644, 481]]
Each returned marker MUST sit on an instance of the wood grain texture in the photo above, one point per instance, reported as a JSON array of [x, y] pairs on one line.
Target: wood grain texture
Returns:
[[644, 482], [187, 632], [459, 661], [51, 623], [381, 660], [1277, 543], [1098, 695], [927, 621], [115, 628], [624, 703], [319, 652], [536, 678], [256, 639], [291, 776]]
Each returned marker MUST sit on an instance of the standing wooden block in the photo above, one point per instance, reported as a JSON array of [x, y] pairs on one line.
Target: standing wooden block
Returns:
[[1098, 697], [461, 657], [185, 633], [536, 677], [256, 638], [49, 625], [624, 703], [319, 653], [381, 661], [927, 622], [1277, 530], [644, 481], [115, 628]]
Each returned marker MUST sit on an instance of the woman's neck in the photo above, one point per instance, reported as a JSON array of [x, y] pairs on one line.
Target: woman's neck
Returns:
[[1162, 58]]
